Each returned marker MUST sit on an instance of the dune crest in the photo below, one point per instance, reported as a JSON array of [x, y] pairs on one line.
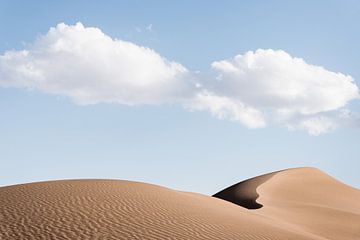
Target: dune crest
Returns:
[[296, 204], [304, 198], [244, 193]]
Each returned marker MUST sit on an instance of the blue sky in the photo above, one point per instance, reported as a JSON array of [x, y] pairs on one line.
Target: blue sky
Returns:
[[50, 133]]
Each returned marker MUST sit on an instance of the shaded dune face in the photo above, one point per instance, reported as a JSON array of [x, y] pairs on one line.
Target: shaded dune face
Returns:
[[244, 193], [302, 198], [297, 204]]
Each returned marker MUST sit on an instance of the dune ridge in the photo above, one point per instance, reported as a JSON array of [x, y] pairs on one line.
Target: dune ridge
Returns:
[[116, 209], [304, 198], [244, 193]]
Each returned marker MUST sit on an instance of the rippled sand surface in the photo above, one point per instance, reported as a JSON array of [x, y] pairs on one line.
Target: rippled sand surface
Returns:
[[114, 209]]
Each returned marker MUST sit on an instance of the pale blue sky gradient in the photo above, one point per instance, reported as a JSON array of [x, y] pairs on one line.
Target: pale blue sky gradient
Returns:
[[46, 137]]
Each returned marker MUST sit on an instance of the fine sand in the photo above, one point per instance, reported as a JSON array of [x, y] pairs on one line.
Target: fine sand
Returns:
[[302, 203]]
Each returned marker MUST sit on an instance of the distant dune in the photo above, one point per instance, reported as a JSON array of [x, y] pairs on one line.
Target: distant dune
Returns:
[[302, 203]]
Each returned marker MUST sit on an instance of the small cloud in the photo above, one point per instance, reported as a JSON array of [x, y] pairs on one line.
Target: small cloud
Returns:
[[317, 125], [149, 27]]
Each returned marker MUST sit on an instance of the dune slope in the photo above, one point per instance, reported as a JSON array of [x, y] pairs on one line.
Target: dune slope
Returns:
[[304, 198], [114, 209]]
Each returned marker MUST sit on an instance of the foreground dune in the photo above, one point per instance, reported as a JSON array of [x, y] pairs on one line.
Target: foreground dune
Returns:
[[292, 204], [303, 198]]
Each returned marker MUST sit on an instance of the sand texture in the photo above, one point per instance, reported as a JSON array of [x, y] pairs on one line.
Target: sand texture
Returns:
[[294, 204]]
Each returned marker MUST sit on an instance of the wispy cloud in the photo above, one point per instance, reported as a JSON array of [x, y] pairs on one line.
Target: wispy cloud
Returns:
[[257, 89], [149, 27]]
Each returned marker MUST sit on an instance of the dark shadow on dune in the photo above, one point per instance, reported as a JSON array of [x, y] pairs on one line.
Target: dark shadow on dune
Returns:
[[244, 193]]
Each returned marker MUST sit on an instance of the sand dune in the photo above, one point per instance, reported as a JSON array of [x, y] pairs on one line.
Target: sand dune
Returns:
[[314, 202], [292, 204], [305, 199], [244, 193]]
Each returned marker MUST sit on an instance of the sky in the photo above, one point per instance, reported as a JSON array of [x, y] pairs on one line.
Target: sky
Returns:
[[193, 96]]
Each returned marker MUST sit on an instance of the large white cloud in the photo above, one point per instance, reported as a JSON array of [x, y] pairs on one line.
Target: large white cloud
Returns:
[[287, 90], [89, 66], [257, 89], [268, 78]]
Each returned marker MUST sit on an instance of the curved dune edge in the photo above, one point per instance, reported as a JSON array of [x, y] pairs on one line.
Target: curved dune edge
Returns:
[[244, 193], [305, 199], [311, 200], [115, 209]]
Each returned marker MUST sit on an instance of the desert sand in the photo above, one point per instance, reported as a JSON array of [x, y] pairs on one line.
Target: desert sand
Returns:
[[301, 203]]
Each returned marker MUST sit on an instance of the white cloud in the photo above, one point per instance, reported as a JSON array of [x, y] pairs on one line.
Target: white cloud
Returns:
[[256, 89], [315, 125], [286, 88], [90, 67], [225, 108]]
